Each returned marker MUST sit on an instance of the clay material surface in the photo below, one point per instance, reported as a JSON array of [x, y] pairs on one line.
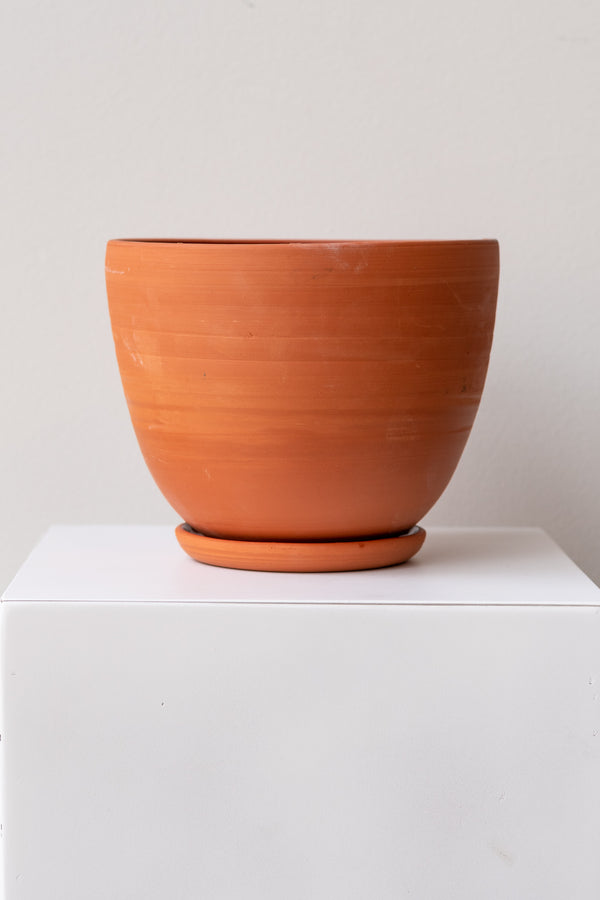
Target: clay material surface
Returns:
[[304, 556], [302, 391]]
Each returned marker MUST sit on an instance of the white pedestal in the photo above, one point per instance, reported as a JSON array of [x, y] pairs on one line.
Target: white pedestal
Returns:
[[172, 730]]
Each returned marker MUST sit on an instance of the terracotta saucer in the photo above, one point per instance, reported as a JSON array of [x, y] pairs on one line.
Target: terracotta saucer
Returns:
[[308, 556]]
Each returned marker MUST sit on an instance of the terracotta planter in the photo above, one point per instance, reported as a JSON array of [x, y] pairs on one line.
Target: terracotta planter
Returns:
[[302, 404]]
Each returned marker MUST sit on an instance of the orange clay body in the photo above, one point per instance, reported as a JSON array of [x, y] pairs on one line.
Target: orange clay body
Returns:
[[302, 391]]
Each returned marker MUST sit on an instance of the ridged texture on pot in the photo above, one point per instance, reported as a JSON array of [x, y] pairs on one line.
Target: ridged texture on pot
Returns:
[[302, 391]]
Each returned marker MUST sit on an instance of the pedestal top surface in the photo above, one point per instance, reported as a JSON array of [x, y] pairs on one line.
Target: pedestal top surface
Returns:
[[466, 566]]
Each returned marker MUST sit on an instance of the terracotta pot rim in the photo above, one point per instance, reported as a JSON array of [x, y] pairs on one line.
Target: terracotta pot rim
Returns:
[[301, 242]]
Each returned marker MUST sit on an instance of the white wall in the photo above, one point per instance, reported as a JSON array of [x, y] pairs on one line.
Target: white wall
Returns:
[[325, 118]]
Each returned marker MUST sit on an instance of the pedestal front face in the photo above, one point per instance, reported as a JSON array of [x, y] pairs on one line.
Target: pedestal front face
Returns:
[[239, 749]]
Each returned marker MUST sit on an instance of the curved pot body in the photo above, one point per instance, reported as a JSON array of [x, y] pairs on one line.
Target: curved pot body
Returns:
[[302, 391]]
